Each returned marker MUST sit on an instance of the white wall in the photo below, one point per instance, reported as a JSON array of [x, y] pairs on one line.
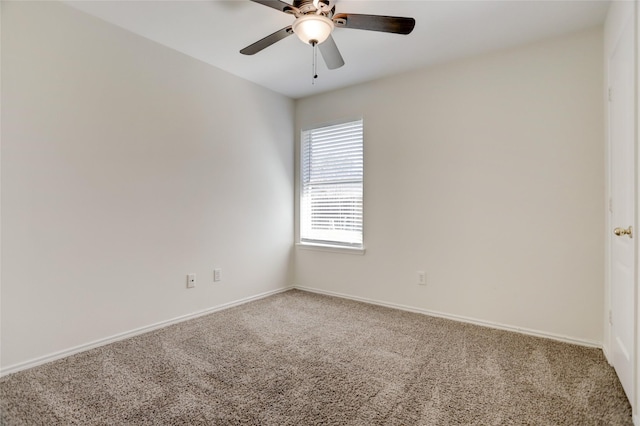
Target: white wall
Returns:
[[487, 173], [125, 166]]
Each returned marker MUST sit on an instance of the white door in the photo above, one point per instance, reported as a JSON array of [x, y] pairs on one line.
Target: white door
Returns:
[[621, 138]]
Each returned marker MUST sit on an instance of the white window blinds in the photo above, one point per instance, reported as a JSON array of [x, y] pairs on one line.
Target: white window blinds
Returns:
[[332, 175]]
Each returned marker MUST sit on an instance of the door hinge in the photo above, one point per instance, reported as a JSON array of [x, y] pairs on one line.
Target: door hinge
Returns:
[[610, 317], [610, 94]]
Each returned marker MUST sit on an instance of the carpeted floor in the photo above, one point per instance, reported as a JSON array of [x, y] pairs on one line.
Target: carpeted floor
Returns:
[[303, 359]]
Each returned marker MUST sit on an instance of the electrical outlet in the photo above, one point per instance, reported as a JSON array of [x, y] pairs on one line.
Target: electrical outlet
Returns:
[[422, 278], [191, 280], [217, 274]]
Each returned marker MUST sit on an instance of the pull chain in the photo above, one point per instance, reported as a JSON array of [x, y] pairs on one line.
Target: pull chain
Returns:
[[314, 70]]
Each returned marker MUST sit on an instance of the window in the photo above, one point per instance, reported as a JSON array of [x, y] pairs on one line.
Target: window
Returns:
[[331, 189]]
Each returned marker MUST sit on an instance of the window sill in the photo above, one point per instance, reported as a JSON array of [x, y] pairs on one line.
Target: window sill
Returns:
[[330, 248]]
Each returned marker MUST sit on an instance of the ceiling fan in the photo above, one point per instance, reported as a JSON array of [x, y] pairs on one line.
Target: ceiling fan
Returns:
[[315, 21]]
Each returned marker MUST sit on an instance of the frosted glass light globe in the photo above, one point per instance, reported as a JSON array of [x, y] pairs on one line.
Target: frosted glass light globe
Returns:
[[310, 28]]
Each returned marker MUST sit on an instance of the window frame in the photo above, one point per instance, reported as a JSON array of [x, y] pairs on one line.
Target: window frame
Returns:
[[326, 246]]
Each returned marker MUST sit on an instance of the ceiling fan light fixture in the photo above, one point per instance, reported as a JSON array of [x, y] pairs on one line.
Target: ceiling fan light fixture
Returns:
[[313, 28]]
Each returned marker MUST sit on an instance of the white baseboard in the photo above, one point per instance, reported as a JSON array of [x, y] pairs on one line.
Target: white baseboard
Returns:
[[121, 336], [483, 323]]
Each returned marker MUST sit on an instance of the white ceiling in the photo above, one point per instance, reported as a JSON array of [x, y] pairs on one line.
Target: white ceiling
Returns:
[[215, 31]]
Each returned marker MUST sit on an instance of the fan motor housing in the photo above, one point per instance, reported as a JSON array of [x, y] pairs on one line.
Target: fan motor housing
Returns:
[[306, 6]]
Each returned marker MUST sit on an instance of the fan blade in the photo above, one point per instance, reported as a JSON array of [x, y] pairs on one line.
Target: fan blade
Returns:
[[331, 54], [275, 4], [267, 41], [387, 24]]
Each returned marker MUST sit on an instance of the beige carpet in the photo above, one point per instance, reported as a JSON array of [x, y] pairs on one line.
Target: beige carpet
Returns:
[[303, 359]]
